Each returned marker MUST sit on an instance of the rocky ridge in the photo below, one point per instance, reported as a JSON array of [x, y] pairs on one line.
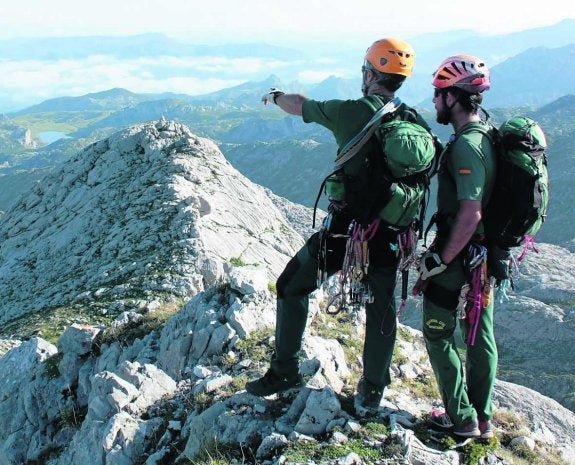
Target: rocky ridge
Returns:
[[167, 396], [151, 211], [156, 214]]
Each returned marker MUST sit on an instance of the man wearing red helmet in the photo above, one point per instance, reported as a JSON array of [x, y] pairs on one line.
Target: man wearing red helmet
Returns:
[[387, 63], [453, 270]]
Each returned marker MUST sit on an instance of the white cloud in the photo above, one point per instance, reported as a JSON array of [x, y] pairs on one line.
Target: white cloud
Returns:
[[27, 82]]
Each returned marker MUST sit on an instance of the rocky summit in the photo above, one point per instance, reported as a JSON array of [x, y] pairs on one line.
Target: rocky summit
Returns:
[[155, 229], [151, 211]]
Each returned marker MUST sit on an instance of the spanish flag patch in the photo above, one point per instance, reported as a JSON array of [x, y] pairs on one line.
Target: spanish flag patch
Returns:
[[464, 171]]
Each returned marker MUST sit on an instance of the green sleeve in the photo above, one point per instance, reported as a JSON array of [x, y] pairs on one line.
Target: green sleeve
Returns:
[[467, 167], [344, 118], [323, 113]]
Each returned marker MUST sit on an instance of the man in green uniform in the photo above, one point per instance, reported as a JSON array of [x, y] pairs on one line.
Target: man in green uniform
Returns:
[[388, 62], [457, 256]]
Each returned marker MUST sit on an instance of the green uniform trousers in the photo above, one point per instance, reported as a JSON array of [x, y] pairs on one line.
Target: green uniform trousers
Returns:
[[470, 397], [299, 279]]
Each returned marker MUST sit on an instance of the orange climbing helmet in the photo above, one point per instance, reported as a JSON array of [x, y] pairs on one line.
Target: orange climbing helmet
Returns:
[[392, 56], [467, 72]]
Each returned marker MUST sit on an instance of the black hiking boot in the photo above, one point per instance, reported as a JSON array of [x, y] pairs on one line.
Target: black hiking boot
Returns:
[[368, 397], [486, 429], [441, 421], [272, 383]]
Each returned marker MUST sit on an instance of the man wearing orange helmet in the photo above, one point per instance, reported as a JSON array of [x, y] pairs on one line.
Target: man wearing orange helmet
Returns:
[[388, 62], [453, 269]]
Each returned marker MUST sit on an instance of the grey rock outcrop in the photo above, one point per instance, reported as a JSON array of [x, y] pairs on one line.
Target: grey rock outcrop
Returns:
[[553, 423], [151, 211], [533, 327]]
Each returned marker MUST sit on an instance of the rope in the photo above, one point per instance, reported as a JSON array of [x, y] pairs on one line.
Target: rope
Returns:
[[476, 294], [354, 145]]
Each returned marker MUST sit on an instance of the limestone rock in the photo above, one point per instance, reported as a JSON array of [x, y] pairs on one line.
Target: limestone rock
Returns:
[[153, 210], [78, 339]]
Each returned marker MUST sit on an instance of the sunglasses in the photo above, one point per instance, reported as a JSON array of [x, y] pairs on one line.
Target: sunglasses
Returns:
[[438, 92]]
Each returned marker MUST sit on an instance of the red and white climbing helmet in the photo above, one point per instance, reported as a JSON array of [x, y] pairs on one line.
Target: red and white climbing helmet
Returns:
[[467, 72]]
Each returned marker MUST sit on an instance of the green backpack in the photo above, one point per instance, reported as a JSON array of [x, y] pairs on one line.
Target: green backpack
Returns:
[[391, 183], [520, 198]]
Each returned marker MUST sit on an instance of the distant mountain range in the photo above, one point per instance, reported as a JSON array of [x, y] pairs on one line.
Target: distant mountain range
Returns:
[[429, 47], [109, 100], [530, 67], [274, 150], [143, 45]]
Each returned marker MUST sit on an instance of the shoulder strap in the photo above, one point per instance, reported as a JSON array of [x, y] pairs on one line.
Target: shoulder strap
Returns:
[[488, 131], [483, 129], [403, 111], [374, 102], [354, 145]]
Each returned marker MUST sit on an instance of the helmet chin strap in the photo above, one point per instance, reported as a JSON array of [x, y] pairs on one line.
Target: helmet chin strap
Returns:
[[365, 89], [365, 85]]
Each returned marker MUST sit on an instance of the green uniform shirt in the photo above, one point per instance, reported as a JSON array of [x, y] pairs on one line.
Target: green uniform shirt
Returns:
[[467, 171], [344, 118]]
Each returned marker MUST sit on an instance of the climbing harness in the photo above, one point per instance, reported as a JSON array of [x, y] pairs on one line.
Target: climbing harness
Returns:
[[353, 286]]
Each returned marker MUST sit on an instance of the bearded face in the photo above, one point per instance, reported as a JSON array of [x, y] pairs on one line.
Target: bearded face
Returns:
[[443, 112], [443, 115]]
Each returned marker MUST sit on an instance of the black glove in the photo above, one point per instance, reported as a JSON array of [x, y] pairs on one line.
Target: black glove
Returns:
[[430, 264]]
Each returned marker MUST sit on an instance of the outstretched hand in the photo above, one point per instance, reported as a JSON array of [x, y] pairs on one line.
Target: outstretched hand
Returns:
[[271, 96]]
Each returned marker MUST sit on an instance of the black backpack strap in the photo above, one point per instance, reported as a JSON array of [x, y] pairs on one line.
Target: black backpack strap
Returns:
[[320, 192]]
